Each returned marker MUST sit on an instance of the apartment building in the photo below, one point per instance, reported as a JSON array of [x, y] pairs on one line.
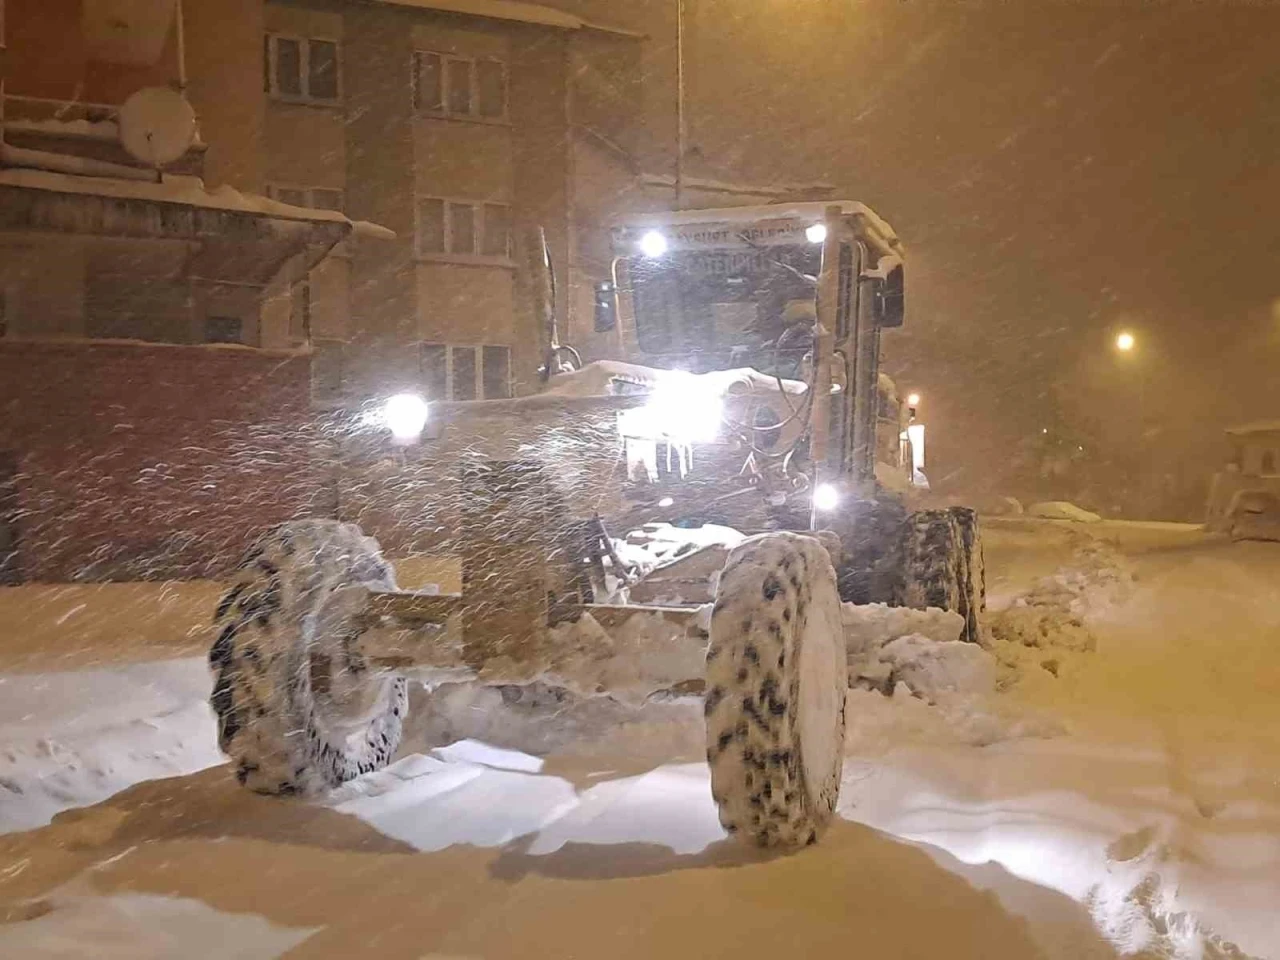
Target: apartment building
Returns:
[[152, 411], [450, 123]]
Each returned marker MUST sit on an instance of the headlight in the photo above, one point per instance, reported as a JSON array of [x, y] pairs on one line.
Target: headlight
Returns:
[[405, 415], [679, 409], [653, 244], [825, 497], [816, 233]]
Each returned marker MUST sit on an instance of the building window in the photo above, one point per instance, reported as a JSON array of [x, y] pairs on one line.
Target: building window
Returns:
[[301, 69], [223, 330], [459, 87], [1268, 463], [317, 198], [463, 228], [496, 367], [465, 372]]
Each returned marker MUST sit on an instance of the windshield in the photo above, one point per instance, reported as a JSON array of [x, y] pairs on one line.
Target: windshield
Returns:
[[716, 309]]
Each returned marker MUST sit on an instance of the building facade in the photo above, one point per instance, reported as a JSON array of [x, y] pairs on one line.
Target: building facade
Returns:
[[451, 124]]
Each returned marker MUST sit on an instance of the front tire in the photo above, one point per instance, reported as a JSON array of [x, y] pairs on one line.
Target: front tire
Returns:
[[776, 684], [299, 708]]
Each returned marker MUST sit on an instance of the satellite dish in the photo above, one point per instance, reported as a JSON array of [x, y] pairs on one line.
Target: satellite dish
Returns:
[[157, 126]]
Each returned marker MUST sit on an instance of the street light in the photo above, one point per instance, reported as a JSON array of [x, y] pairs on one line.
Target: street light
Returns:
[[1125, 342], [913, 400]]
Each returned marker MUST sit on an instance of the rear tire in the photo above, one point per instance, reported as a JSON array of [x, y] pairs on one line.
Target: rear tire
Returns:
[[299, 709], [776, 684], [943, 566], [975, 595]]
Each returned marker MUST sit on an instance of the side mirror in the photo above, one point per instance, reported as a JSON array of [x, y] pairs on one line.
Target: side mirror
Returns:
[[887, 287], [606, 314]]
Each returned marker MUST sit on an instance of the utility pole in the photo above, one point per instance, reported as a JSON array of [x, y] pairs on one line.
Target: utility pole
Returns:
[[680, 122]]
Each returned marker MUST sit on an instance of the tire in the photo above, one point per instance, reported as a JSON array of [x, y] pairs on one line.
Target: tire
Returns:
[[942, 566], [776, 684], [975, 596], [298, 708]]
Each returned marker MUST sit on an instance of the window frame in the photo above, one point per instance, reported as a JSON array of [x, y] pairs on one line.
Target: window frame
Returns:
[[443, 112], [479, 210], [272, 64], [478, 369]]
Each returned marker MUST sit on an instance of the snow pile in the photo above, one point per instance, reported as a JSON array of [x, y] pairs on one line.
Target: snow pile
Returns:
[[913, 681], [919, 649], [1048, 627], [933, 670], [73, 739], [543, 719], [1062, 510], [869, 628], [643, 655]]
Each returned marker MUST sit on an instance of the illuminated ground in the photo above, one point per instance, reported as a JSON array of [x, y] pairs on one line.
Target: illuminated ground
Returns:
[[1128, 805]]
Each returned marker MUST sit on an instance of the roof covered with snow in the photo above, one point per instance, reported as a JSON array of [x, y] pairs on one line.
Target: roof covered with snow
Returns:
[[182, 190], [511, 10], [807, 210]]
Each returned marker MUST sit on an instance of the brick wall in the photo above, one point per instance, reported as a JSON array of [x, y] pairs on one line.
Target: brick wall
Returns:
[[151, 461]]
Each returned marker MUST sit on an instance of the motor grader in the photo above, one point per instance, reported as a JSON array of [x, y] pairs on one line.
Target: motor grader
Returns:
[[761, 407]]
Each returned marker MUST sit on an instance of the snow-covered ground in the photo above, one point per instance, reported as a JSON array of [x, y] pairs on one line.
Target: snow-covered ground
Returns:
[[1105, 783]]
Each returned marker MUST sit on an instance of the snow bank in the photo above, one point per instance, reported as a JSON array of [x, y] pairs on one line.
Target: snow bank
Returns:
[[1062, 510], [74, 739]]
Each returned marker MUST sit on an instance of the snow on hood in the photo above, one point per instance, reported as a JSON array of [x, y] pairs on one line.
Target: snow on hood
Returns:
[[602, 379]]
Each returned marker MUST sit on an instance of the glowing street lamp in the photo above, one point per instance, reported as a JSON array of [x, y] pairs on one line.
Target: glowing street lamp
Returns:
[[913, 400], [1125, 342]]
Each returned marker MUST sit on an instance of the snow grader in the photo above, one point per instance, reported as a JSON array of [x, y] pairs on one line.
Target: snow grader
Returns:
[[761, 408]]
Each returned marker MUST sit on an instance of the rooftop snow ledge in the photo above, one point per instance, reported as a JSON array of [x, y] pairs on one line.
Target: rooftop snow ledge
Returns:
[[372, 231], [186, 191], [513, 10]]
